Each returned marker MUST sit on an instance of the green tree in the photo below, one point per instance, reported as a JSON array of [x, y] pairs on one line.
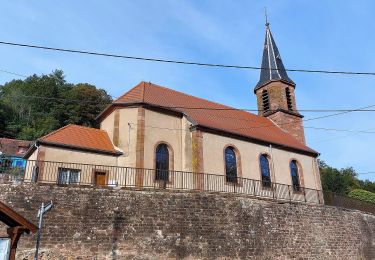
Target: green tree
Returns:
[[40, 104], [338, 181]]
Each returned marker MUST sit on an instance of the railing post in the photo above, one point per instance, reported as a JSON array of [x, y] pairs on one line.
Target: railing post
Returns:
[[126, 173], [290, 197], [182, 179], [304, 193], [252, 181]]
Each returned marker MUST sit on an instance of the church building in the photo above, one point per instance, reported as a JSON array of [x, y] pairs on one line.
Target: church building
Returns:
[[154, 127]]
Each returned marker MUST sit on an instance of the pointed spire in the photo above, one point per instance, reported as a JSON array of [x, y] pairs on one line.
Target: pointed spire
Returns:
[[272, 65]]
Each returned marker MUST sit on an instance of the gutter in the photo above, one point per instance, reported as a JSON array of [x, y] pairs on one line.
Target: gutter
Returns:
[[85, 149]]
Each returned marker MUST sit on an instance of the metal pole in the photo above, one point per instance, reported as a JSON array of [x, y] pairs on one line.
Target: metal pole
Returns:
[[40, 215], [43, 209]]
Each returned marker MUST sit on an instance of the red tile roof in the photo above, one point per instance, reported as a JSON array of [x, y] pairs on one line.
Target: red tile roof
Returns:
[[211, 115], [14, 147], [80, 137]]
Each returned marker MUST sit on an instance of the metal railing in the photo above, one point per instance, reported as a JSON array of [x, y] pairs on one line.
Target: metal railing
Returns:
[[62, 173]]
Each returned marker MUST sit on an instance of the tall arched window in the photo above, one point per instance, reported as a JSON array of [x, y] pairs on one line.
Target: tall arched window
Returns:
[[295, 175], [230, 165], [162, 162], [288, 99], [265, 101], [265, 170]]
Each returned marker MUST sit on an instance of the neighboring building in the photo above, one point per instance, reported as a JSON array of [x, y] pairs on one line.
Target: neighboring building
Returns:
[[12, 152], [154, 127]]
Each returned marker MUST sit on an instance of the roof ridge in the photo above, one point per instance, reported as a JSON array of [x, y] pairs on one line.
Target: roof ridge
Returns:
[[91, 128], [69, 125], [213, 102], [127, 92], [54, 132]]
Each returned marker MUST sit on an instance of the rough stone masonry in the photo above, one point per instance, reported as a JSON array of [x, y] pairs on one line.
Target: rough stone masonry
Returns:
[[93, 223]]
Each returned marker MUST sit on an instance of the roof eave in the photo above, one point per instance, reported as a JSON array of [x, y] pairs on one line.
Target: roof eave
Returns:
[[79, 148], [30, 151], [262, 84]]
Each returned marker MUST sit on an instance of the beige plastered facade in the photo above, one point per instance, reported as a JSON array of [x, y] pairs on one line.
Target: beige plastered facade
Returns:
[[137, 131]]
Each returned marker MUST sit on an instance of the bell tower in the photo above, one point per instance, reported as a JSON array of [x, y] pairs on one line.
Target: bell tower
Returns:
[[275, 91]]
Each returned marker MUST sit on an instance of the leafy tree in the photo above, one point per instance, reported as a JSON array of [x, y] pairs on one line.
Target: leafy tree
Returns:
[[367, 185], [38, 105], [5, 112], [342, 181]]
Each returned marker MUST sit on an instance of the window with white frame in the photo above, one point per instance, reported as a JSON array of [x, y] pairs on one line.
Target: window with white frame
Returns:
[[68, 176]]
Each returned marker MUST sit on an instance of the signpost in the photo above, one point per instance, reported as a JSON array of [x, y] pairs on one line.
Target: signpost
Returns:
[[43, 209]]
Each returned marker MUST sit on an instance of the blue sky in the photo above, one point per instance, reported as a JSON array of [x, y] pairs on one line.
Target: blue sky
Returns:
[[332, 35]]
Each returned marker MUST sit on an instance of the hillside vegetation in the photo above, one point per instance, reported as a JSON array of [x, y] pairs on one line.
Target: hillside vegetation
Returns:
[[37, 105], [345, 182]]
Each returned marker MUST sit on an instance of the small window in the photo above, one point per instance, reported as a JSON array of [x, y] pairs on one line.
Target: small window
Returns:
[[265, 101], [265, 171], [162, 163], [288, 99], [230, 165], [295, 175], [68, 176]]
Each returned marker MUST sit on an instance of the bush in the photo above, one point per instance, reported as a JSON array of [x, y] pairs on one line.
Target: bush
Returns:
[[362, 195]]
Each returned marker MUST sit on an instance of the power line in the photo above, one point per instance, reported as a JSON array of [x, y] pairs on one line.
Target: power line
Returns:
[[324, 129], [203, 108], [339, 130], [59, 99], [12, 73], [365, 173], [178, 61], [340, 137], [241, 119]]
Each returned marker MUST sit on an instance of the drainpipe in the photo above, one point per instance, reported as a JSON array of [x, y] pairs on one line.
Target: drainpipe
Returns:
[[35, 169], [130, 126]]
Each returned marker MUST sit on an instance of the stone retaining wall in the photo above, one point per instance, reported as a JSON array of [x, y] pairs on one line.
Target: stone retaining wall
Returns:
[[92, 223]]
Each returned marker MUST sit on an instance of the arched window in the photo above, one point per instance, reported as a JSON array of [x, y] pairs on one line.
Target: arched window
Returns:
[[230, 165], [265, 170], [295, 175], [162, 162], [288, 99], [265, 101]]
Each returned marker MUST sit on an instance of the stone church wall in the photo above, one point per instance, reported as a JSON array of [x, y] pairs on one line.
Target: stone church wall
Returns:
[[92, 223]]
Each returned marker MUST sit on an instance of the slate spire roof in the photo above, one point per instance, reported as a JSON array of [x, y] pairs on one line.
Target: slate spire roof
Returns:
[[272, 66]]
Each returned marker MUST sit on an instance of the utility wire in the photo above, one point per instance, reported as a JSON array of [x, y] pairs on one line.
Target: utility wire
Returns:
[[318, 128], [200, 108], [341, 137], [178, 61], [12, 73], [242, 119], [340, 130]]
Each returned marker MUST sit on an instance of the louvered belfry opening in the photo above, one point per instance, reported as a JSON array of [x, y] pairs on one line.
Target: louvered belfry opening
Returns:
[[288, 99], [265, 101]]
